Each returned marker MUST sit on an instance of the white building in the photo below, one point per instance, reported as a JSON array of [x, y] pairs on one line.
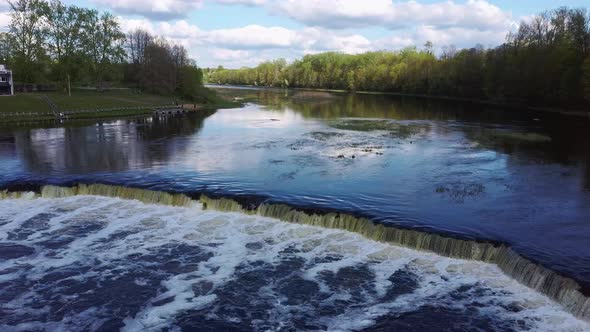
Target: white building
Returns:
[[6, 83]]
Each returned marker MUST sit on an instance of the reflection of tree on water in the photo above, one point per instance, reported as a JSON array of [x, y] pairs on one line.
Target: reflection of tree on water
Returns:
[[106, 147], [328, 105], [568, 136]]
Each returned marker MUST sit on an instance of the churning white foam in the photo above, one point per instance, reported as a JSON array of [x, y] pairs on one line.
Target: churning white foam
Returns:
[[185, 260]]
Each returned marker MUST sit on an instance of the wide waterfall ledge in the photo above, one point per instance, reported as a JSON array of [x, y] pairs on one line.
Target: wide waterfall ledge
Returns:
[[565, 291]]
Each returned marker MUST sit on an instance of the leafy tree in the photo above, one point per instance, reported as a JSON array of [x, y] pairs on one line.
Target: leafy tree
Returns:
[[26, 35], [64, 31], [543, 64], [104, 43], [587, 79], [192, 82], [4, 47]]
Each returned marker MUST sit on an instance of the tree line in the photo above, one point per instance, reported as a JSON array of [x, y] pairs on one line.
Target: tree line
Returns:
[[51, 42], [545, 63]]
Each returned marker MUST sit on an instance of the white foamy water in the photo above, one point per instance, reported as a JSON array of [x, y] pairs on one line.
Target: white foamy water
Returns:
[[95, 263]]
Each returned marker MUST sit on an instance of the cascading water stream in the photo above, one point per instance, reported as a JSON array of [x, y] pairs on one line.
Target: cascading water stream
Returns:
[[565, 291]]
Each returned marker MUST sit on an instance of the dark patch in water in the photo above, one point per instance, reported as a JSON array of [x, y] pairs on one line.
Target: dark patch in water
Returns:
[[300, 144], [120, 290], [473, 291], [395, 130], [254, 245], [118, 236], [12, 251], [288, 175], [202, 288], [403, 282], [265, 145], [175, 258], [431, 318], [201, 321], [356, 280], [250, 296], [325, 135], [35, 224], [460, 191], [163, 301], [62, 237], [297, 290], [324, 259]]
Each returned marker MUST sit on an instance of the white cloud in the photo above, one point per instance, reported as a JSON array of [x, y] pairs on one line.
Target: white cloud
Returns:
[[339, 14], [160, 10], [253, 37], [4, 21], [176, 30], [410, 23], [242, 2], [250, 44], [314, 40], [225, 55], [461, 37], [397, 41], [463, 24]]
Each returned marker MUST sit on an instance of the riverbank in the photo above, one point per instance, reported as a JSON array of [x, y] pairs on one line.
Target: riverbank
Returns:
[[577, 113], [84, 104]]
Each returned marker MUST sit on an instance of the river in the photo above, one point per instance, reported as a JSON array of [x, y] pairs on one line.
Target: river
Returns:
[[519, 181]]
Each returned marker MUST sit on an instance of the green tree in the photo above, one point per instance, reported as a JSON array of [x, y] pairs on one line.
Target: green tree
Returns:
[[4, 48], [26, 33], [65, 36], [586, 79], [104, 43], [192, 82]]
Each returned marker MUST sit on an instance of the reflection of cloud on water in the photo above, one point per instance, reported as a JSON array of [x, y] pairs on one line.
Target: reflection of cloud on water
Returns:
[[250, 117], [305, 147]]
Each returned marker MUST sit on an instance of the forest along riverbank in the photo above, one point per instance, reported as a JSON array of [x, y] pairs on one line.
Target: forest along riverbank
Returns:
[[418, 167], [507, 74]]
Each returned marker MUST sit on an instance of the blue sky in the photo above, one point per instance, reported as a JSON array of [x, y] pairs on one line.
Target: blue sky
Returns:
[[236, 33]]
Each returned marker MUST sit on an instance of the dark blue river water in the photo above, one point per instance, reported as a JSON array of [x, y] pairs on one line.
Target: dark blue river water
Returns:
[[462, 169]]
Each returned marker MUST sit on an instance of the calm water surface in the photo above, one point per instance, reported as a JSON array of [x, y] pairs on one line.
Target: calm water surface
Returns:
[[463, 169]]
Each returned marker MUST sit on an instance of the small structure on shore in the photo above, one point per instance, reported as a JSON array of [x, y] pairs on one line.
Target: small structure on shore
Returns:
[[6, 83]]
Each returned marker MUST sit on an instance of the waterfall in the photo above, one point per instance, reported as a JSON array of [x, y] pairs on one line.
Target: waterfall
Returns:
[[145, 196], [564, 290], [5, 194]]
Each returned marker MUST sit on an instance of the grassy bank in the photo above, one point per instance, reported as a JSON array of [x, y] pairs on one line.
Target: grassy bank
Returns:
[[85, 103]]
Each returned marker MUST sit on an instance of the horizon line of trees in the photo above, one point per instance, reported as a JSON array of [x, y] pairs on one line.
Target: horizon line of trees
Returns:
[[545, 63], [51, 42]]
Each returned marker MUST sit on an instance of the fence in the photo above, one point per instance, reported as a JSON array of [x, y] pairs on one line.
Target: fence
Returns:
[[97, 110]]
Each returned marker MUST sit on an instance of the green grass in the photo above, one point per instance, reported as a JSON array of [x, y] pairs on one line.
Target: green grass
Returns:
[[22, 103], [92, 100], [88, 100], [81, 100], [110, 114]]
